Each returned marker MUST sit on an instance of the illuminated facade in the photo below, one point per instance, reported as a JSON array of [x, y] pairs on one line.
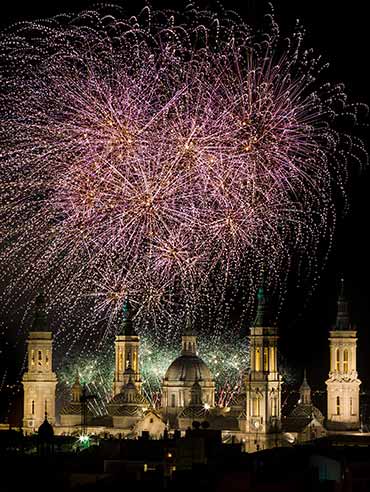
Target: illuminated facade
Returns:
[[343, 385], [181, 376], [39, 381], [127, 353], [263, 382], [253, 417]]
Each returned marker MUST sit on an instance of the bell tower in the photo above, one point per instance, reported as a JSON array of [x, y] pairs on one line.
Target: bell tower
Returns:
[[263, 382], [127, 352], [343, 385], [39, 381]]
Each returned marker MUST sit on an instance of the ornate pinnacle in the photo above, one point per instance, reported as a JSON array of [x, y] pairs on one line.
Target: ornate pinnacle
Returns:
[[39, 317], [343, 320]]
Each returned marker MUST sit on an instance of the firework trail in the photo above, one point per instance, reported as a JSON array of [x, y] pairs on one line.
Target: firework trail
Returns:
[[175, 158], [97, 370]]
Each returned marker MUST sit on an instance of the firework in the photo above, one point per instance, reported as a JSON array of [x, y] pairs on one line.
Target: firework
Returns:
[[97, 370], [173, 158]]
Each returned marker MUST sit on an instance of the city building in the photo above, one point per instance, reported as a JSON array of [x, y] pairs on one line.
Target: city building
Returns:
[[253, 417]]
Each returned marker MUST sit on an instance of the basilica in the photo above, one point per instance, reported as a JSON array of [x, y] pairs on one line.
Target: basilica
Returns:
[[253, 417]]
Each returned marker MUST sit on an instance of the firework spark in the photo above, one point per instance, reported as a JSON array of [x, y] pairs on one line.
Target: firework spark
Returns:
[[167, 157]]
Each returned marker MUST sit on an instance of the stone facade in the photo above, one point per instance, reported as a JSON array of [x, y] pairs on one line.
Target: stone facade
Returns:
[[39, 381], [343, 385]]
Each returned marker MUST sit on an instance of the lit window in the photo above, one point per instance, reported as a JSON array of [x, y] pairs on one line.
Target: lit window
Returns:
[[265, 359], [345, 360], [258, 359], [351, 409], [256, 407], [134, 363], [338, 405], [272, 359], [273, 407], [337, 361], [128, 360]]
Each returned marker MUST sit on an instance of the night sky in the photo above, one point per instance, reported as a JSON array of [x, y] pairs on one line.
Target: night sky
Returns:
[[340, 32]]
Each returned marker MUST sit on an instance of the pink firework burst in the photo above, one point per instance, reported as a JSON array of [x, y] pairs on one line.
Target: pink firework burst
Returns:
[[169, 158]]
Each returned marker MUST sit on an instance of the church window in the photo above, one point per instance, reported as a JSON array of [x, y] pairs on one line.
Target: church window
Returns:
[[272, 359], [273, 406], [265, 359], [33, 407], [256, 407], [128, 361], [351, 409], [173, 400], [338, 405], [47, 359], [39, 358], [32, 358], [345, 360], [120, 360], [257, 359], [337, 361], [134, 363]]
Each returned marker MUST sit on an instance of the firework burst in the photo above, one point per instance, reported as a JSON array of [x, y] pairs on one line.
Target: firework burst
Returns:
[[167, 157]]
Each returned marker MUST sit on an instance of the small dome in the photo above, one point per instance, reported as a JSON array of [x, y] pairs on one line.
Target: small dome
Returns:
[[129, 397], [307, 411], [74, 408], [46, 431], [188, 368]]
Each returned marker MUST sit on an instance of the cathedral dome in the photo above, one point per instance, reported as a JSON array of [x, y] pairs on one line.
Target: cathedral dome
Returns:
[[307, 411], [188, 368]]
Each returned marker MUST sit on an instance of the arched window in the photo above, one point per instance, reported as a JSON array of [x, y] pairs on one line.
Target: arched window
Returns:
[[256, 407], [39, 358], [351, 407], [33, 407], [257, 362], [173, 400], [128, 360], [273, 406], [272, 359], [47, 359], [338, 405], [265, 359], [32, 358], [337, 360], [345, 360]]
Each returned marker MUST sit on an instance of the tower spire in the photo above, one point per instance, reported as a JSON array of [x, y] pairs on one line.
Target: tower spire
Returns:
[[263, 315], [127, 326], [39, 314], [343, 321], [189, 338], [305, 391]]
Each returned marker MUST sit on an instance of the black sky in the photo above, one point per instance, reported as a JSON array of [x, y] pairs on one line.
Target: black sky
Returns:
[[340, 32]]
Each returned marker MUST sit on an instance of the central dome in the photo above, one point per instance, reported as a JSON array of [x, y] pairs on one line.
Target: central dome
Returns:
[[188, 368]]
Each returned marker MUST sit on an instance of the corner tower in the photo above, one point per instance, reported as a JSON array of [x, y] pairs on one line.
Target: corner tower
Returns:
[[343, 385], [39, 381], [263, 382], [127, 353]]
